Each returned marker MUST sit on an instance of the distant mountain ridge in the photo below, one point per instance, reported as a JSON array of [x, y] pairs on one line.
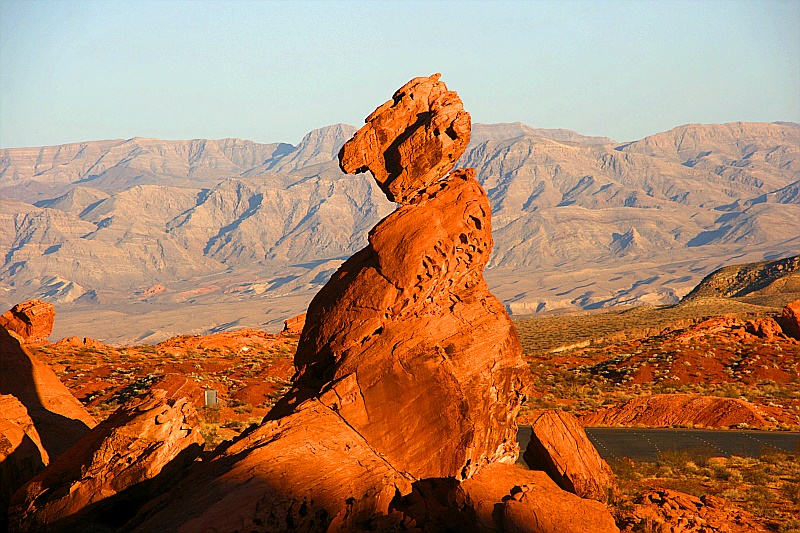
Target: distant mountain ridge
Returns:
[[579, 222]]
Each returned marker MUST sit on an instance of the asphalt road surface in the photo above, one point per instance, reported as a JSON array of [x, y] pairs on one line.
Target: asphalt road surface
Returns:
[[645, 444]]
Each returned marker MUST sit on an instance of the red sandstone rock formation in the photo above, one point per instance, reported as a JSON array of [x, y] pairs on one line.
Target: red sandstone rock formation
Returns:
[[31, 320], [133, 445], [411, 141], [80, 342], [60, 419], [505, 498], [179, 386], [560, 447], [409, 372], [22, 455], [660, 509], [294, 325], [667, 410], [790, 320], [406, 334]]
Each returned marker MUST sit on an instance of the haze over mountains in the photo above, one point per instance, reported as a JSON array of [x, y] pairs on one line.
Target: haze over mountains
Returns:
[[140, 239]]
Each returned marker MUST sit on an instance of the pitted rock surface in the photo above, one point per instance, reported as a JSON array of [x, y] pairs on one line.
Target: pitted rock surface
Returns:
[[411, 141]]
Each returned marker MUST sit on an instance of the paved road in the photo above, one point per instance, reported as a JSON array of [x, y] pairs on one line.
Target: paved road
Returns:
[[645, 444]]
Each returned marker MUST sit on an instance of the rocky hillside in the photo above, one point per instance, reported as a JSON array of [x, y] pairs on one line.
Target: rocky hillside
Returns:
[[750, 279], [253, 230]]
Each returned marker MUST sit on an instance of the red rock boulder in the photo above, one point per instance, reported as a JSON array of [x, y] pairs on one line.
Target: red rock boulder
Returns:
[[560, 447], [505, 498], [22, 455], [59, 417], [31, 320], [789, 320], [294, 325], [411, 141], [131, 446]]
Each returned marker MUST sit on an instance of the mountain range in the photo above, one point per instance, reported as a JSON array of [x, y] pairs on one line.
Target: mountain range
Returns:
[[138, 240]]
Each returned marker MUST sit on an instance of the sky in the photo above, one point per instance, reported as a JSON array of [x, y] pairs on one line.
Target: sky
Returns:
[[272, 71]]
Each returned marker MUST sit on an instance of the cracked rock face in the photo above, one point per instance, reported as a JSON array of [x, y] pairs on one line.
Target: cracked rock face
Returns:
[[405, 342], [407, 368], [31, 320], [411, 141], [133, 445]]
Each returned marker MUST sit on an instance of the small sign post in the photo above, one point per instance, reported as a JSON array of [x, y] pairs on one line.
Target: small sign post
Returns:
[[211, 397]]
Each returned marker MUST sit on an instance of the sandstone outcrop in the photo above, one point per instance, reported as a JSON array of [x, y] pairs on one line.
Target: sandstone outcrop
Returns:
[[672, 511], [31, 320], [407, 367], [790, 320], [21, 453], [411, 141], [667, 410], [406, 334], [132, 446], [294, 325], [80, 342], [505, 498], [60, 419], [560, 447]]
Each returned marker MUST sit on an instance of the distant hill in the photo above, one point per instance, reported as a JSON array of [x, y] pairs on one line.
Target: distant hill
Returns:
[[750, 279], [246, 233]]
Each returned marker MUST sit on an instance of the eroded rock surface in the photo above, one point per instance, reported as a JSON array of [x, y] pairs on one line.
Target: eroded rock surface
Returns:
[[790, 320], [560, 447], [31, 320], [506, 498], [22, 455], [666, 410], [308, 471], [60, 419], [406, 334], [133, 445], [411, 141]]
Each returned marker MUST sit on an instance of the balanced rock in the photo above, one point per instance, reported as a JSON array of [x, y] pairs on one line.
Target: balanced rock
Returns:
[[560, 447], [132, 445], [407, 367], [60, 419], [411, 141], [31, 320], [405, 342]]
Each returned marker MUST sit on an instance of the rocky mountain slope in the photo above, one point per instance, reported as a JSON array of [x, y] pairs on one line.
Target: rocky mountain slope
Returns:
[[253, 230]]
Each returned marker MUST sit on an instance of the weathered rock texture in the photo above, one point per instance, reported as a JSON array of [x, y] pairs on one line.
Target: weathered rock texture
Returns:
[[406, 334], [666, 410], [31, 320], [21, 453], [407, 367], [560, 447], [133, 445], [60, 419], [506, 498], [411, 141], [670, 510], [790, 320], [308, 471]]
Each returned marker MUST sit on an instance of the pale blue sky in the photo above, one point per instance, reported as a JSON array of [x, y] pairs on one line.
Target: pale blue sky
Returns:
[[269, 71]]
